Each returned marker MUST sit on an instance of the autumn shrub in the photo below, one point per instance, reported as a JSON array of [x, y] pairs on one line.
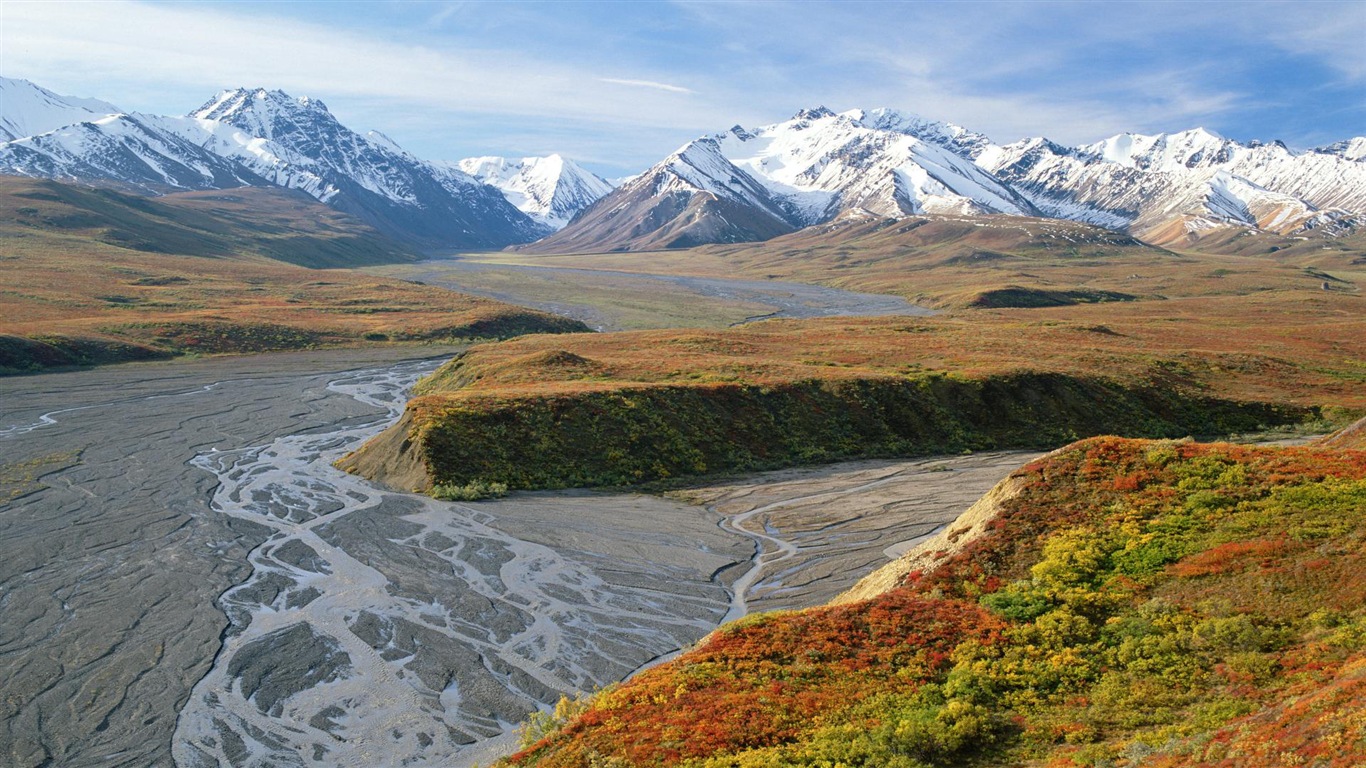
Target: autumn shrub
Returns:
[[1212, 614]]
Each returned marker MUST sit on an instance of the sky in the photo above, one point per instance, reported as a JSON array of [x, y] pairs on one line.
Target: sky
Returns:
[[619, 85]]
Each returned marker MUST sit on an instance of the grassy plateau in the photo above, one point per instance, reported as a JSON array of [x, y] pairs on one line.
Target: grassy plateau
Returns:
[[1001, 261]]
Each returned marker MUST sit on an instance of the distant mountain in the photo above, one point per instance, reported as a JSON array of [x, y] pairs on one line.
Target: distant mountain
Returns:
[[1348, 149], [754, 184], [26, 109], [551, 190], [1167, 188], [739, 185], [747, 185], [375, 180], [256, 137]]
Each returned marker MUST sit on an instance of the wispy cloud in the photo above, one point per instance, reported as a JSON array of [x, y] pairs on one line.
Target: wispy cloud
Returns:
[[465, 78], [646, 84]]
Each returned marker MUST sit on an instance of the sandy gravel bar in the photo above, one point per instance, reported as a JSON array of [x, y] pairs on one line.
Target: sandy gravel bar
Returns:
[[110, 564]]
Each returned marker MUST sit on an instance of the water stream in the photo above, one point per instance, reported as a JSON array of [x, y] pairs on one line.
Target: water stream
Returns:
[[384, 629]]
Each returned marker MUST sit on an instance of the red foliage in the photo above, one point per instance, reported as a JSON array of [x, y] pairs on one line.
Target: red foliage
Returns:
[[1233, 556], [770, 679]]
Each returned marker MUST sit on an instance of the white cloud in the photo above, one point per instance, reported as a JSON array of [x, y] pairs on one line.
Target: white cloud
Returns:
[[646, 84], [191, 45], [469, 78]]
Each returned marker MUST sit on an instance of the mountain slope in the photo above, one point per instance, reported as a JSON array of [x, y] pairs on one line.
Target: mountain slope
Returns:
[[1175, 188], [132, 151], [243, 224], [551, 190], [746, 185], [391, 189], [29, 109], [254, 137]]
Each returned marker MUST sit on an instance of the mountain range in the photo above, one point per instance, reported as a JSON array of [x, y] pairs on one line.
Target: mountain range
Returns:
[[257, 137], [1168, 189], [744, 184]]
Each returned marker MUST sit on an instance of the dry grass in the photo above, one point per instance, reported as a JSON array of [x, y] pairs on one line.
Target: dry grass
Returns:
[[110, 269], [1305, 347], [953, 261]]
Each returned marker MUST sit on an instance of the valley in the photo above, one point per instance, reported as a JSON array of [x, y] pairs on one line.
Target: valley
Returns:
[[218, 525], [853, 439], [611, 300]]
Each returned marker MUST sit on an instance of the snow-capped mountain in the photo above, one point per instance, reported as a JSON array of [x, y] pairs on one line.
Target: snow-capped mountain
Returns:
[[133, 150], [374, 180], [255, 137], [1165, 186], [1348, 149], [26, 109], [752, 184], [551, 190], [737, 185]]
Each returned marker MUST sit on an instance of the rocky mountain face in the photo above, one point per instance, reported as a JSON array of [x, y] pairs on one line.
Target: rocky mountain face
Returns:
[[255, 137], [1171, 187], [26, 109], [374, 179], [745, 185], [736, 186], [551, 190]]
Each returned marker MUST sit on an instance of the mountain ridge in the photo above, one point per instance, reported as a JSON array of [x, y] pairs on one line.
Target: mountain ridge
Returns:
[[739, 185], [256, 137], [1169, 189]]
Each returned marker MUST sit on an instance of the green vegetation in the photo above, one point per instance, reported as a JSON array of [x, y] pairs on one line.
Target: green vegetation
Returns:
[[472, 491], [638, 435], [1015, 296], [1153, 603]]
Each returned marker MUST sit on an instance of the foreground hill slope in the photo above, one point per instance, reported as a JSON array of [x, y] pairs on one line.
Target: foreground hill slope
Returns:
[[1126, 602], [96, 276]]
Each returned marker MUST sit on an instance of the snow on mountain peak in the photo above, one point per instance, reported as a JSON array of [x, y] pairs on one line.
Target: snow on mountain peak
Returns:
[[816, 113], [1353, 149], [1192, 148], [376, 137], [265, 113], [954, 137], [551, 189], [27, 109]]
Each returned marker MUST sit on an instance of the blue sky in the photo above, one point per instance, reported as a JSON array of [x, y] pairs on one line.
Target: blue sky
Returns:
[[618, 85]]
